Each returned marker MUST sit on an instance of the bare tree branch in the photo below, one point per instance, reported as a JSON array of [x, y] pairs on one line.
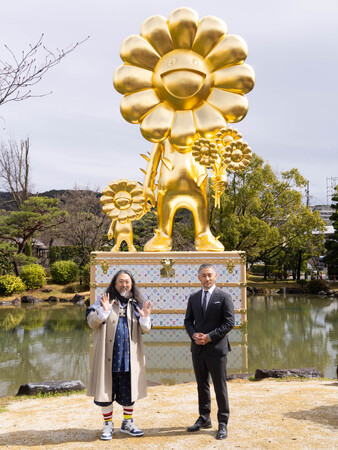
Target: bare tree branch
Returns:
[[14, 170], [17, 77]]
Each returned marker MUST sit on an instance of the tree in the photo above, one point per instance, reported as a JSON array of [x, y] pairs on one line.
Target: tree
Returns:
[[36, 215], [14, 171], [264, 215], [331, 257], [23, 72], [85, 225]]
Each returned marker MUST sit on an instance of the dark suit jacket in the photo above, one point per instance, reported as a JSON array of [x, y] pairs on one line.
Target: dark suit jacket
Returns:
[[218, 322]]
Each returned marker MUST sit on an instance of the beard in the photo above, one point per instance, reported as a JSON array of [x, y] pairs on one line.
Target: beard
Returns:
[[126, 294]]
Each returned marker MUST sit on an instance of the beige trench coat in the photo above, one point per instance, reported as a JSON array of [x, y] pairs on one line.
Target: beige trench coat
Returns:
[[100, 379]]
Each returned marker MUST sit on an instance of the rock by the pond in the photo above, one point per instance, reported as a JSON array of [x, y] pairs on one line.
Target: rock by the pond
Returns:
[[53, 299], [47, 289], [65, 300], [30, 299], [239, 376], [50, 387], [78, 298], [308, 372]]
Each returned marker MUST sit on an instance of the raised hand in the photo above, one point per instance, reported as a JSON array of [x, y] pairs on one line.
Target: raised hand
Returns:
[[146, 309], [105, 302]]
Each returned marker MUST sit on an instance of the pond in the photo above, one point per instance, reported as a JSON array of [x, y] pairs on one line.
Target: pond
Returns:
[[45, 342]]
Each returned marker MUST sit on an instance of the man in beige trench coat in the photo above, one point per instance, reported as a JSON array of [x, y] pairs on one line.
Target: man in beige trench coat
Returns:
[[118, 366]]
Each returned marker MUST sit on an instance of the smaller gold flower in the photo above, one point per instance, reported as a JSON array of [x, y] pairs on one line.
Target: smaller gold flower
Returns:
[[205, 152], [237, 155], [227, 135], [123, 200]]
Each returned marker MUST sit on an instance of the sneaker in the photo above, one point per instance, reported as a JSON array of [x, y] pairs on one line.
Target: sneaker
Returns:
[[108, 431], [130, 428]]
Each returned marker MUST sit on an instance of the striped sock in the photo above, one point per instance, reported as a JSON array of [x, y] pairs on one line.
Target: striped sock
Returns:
[[128, 412], [107, 413]]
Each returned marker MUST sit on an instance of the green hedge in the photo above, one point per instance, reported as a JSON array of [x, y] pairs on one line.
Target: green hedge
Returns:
[[9, 284], [33, 275], [64, 272], [69, 253]]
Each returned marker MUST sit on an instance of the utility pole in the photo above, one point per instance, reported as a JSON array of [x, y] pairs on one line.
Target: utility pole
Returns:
[[307, 192]]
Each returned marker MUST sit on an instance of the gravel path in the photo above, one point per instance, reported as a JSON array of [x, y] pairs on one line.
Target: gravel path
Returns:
[[268, 414]]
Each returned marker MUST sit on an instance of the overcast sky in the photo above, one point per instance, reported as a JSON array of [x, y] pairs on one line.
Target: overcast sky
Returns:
[[77, 133]]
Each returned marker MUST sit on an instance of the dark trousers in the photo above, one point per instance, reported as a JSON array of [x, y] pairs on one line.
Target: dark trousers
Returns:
[[205, 365]]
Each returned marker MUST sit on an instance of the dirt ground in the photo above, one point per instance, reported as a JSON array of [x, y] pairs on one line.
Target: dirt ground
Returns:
[[267, 414]]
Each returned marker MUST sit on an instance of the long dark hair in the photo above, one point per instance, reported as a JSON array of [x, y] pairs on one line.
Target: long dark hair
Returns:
[[113, 293]]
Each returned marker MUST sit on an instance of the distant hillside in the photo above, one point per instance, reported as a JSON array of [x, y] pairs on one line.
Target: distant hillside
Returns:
[[7, 203]]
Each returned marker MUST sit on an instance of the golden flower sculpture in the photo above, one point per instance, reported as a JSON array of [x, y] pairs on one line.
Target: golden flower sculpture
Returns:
[[237, 155], [183, 78], [205, 152], [123, 202], [226, 151]]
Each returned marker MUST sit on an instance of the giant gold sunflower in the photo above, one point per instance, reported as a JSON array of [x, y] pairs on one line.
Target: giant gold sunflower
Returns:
[[183, 78]]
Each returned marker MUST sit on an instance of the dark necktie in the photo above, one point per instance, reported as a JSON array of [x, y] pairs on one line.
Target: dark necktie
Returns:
[[204, 303]]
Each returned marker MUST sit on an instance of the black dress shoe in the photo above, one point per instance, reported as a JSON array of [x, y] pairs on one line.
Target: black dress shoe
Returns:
[[222, 432], [200, 423]]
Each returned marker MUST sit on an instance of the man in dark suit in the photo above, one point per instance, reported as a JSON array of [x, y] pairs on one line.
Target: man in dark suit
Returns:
[[208, 320]]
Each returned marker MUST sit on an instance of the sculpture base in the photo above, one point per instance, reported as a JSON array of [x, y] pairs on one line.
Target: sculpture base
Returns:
[[167, 280]]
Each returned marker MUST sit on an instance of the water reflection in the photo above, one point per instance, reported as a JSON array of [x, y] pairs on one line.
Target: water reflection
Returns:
[[292, 332], [44, 342]]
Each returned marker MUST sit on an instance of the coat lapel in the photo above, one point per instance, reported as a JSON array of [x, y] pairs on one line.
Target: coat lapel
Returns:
[[212, 299]]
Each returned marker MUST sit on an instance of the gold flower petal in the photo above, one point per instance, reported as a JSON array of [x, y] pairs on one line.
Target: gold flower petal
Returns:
[[136, 208], [210, 31], [156, 125], [105, 200], [123, 215], [135, 193], [113, 186], [207, 120], [183, 24], [138, 200], [155, 30], [130, 186], [131, 214], [107, 191], [114, 214], [108, 207], [183, 131], [122, 184], [128, 79], [239, 79], [232, 106], [138, 52], [135, 106], [230, 50]]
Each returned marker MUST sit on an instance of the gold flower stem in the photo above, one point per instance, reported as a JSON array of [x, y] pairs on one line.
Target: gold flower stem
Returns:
[[218, 171]]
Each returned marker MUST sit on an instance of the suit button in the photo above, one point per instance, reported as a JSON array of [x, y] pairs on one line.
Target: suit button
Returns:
[[110, 340], [108, 359]]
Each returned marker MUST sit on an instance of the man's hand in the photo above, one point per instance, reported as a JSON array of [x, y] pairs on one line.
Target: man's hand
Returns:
[[146, 309], [105, 302], [201, 339]]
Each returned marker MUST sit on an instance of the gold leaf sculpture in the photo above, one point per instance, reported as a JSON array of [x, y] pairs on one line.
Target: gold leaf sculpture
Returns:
[[183, 80], [123, 202]]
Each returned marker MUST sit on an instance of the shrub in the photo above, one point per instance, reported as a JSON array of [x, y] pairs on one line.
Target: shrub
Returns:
[[316, 286], [33, 275], [10, 284], [86, 275], [257, 269], [64, 272]]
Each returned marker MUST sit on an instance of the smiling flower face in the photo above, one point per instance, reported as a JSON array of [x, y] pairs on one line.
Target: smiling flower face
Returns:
[[122, 201], [183, 78]]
